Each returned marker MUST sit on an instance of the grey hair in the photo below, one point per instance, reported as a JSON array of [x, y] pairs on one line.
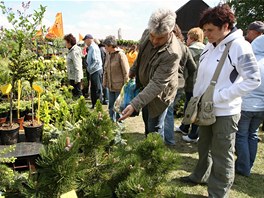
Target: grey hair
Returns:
[[110, 41], [162, 21]]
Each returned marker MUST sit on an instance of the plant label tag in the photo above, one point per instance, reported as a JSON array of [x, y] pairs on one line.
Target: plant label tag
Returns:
[[71, 194]]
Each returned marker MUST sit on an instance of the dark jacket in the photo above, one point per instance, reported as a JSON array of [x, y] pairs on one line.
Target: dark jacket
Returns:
[[162, 75], [187, 69]]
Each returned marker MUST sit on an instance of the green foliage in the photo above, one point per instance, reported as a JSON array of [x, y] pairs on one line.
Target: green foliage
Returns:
[[20, 37], [19, 41], [62, 168], [4, 72], [4, 107], [57, 168], [96, 130], [6, 173], [149, 162], [7, 159], [247, 11], [54, 109], [126, 43], [6, 177], [80, 109]]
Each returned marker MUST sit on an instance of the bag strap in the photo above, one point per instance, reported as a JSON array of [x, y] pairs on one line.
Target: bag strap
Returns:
[[221, 64]]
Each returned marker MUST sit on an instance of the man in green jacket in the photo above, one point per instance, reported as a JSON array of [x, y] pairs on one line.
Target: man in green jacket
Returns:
[[156, 71]]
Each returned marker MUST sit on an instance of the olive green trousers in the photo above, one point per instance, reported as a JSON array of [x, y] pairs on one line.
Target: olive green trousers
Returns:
[[216, 162]]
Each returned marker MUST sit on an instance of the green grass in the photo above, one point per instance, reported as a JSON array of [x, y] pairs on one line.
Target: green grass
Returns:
[[243, 187]]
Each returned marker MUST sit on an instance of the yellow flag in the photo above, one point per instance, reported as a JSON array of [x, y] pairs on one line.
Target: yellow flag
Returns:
[[80, 37], [56, 31]]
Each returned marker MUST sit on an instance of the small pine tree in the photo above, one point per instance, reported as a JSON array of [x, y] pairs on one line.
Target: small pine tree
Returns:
[[150, 163], [58, 166]]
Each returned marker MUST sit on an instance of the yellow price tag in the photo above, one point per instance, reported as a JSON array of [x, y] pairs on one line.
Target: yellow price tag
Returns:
[[37, 88], [71, 194], [6, 89]]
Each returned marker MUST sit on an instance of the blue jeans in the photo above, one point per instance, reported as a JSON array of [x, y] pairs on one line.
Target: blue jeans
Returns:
[[247, 141], [112, 98], [155, 124], [169, 136]]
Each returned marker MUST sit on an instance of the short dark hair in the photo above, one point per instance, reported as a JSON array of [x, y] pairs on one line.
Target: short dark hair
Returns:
[[110, 41], [218, 16], [70, 39]]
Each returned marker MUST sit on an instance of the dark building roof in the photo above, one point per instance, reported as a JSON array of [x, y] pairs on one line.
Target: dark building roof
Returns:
[[188, 15]]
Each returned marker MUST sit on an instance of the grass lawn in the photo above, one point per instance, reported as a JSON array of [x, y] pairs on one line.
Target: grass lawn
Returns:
[[243, 187]]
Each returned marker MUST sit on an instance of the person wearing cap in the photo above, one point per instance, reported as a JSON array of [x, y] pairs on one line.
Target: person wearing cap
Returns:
[[103, 56], [252, 116], [95, 68], [116, 71], [156, 71], [255, 29]]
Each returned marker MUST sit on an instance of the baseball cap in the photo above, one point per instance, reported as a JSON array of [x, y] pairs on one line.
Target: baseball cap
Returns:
[[257, 26], [88, 36]]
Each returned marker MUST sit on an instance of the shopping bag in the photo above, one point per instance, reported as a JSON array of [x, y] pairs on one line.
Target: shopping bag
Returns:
[[128, 92]]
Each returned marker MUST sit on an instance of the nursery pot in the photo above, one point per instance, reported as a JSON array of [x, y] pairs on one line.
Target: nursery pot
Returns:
[[33, 133], [3, 120], [20, 121], [9, 135], [29, 117]]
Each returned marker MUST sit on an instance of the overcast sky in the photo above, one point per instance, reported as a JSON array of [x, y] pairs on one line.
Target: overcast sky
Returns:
[[103, 18]]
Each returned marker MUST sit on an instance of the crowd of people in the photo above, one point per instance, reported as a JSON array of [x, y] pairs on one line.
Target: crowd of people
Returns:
[[164, 64]]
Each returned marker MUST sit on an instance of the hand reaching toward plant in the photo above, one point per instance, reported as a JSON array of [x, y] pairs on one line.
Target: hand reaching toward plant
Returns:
[[127, 112]]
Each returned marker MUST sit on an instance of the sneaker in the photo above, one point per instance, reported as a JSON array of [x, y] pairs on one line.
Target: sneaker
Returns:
[[178, 129], [187, 139]]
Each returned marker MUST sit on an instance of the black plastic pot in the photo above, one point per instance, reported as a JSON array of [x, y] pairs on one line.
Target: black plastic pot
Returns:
[[9, 136], [33, 133]]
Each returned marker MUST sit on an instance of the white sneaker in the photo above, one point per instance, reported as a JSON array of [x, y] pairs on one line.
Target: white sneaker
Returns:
[[177, 129], [187, 139]]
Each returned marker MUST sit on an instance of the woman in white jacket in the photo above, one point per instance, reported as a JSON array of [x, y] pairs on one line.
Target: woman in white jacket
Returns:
[[240, 75], [74, 64]]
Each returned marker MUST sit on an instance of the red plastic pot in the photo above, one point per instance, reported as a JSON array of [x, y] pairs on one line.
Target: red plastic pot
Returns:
[[20, 121], [3, 120]]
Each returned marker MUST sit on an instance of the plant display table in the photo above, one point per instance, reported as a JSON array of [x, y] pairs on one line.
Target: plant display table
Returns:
[[25, 154]]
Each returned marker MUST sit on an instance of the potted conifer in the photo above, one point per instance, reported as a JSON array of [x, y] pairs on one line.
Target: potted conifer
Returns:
[[34, 128], [19, 38]]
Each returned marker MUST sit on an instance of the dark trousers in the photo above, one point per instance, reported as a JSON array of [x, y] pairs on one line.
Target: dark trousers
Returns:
[[105, 95], [153, 124], [193, 134], [77, 91], [96, 87]]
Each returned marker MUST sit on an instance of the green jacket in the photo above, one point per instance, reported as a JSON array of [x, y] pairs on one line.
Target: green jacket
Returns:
[[74, 64], [163, 77]]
